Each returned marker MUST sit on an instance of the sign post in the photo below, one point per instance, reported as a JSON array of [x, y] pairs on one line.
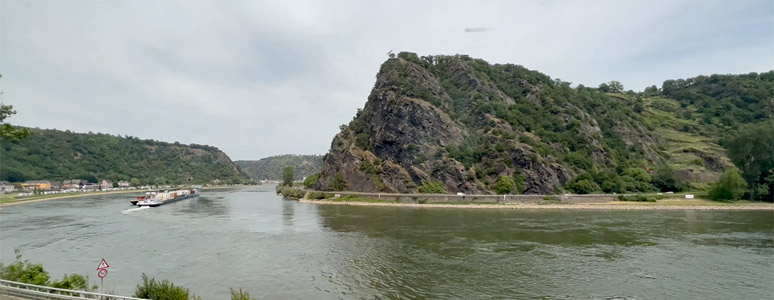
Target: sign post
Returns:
[[102, 272]]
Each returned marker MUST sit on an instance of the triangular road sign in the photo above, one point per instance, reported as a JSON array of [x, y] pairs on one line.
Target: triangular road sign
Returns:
[[103, 265]]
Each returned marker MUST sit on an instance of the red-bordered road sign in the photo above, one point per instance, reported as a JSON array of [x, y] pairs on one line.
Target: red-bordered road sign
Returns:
[[102, 273], [103, 265]]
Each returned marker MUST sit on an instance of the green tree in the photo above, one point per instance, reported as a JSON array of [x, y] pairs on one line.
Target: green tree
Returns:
[[731, 186], [134, 182], [310, 180], [8, 131], [505, 185], [584, 186], [520, 183], [651, 91], [616, 86], [338, 183], [160, 181], [287, 176], [751, 149], [666, 181]]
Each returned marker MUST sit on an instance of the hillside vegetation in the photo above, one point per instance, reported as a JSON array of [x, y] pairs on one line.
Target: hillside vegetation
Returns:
[[272, 167], [458, 124], [61, 155]]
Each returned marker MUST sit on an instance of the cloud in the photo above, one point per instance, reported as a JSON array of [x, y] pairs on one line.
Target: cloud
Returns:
[[260, 78]]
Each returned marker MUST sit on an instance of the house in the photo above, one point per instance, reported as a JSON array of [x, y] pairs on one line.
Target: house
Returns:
[[123, 183], [73, 184], [70, 184], [36, 185], [6, 187], [106, 184], [56, 185]]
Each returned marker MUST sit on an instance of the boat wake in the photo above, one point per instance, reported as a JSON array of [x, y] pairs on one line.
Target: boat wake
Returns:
[[134, 209]]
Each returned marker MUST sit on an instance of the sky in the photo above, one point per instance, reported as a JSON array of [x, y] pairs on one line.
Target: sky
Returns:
[[263, 78]]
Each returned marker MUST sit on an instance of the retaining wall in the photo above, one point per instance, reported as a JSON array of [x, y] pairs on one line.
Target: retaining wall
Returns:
[[490, 199]]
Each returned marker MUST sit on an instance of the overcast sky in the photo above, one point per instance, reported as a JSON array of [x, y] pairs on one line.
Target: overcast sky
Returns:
[[259, 78]]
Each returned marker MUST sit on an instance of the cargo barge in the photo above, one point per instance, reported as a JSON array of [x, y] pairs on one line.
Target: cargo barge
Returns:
[[161, 197]]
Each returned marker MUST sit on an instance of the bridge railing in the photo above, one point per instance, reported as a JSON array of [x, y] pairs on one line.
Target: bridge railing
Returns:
[[26, 290]]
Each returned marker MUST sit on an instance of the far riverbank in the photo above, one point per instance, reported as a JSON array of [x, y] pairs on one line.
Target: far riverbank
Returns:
[[31, 199], [666, 204]]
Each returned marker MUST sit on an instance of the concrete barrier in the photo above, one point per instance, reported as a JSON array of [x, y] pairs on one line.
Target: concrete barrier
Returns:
[[484, 199]]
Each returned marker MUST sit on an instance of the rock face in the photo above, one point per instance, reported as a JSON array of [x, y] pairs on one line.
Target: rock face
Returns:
[[469, 126]]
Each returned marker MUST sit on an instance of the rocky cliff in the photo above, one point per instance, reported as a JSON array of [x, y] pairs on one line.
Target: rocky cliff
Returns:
[[459, 121], [446, 124]]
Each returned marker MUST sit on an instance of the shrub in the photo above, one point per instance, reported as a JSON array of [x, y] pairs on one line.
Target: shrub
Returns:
[[731, 186], [316, 195], [636, 198], [584, 186], [292, 193], [431, 187], [278, 189], [520, 183], [504, 185], [240, 295], [338, 183], [310, 181], [74, 282], [162, 290], [24, 271], [666, 181]]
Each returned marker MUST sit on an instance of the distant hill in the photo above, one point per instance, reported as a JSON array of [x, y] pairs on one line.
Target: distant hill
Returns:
[[61, 155], [459, 124], [271, 167]]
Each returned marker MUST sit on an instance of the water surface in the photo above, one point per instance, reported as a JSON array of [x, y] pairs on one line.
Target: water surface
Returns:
[[278, 249]]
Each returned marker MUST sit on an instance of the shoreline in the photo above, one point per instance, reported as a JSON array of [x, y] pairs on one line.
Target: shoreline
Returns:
[[596, 206], [76, 195]]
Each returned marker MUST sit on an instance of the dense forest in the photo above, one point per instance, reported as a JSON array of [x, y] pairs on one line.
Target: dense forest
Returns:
[[272, 167], [62, 155], [455, 123]]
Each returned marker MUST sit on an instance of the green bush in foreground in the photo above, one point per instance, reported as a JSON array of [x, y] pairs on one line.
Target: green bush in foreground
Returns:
[[24, 271], [162, 290], [74, 282], [27, 272], [240, 295]]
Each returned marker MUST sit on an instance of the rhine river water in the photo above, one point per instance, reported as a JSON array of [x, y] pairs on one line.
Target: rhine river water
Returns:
[[280, 249]]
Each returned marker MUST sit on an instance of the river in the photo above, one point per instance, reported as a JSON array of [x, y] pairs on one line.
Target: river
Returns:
[[280, 249]]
